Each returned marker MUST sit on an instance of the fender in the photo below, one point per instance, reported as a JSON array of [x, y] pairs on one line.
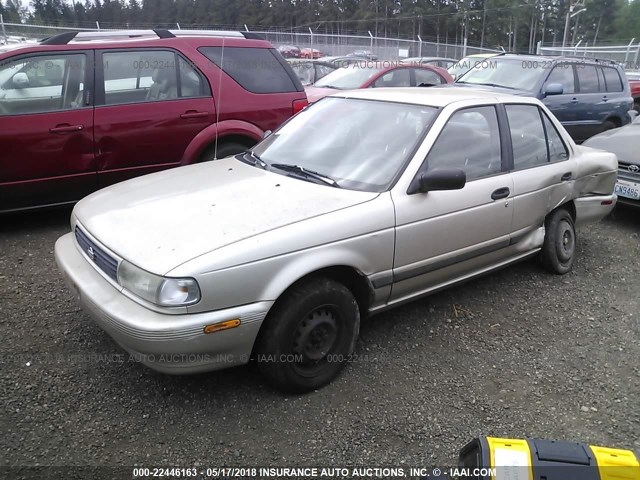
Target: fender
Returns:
[[219, 130]]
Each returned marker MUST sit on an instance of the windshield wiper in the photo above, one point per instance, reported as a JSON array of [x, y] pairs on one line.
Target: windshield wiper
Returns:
[[257, 161], [489, 85], [305, 172]]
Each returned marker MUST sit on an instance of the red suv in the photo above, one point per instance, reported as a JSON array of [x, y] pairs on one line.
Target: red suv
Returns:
[[80, 111]]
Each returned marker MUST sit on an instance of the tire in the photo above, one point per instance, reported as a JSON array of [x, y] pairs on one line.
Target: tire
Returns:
[[608, 125], [559, 247], [318, 322], [224, 150]]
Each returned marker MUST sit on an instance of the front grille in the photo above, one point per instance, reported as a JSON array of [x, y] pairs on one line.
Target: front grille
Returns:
[[103, 260], [625, 174]]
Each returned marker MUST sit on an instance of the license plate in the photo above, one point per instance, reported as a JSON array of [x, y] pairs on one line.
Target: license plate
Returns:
[[627, 189]]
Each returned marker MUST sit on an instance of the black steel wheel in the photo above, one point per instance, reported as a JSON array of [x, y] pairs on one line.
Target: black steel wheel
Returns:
[[559, 248], [308, 336]]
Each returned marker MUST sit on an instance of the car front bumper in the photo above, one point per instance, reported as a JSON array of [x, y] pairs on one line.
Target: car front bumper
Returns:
[[168, 343], [594, 207]]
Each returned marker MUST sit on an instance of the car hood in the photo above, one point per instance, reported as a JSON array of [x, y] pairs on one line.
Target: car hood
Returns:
[[624, 142], [165, 219]]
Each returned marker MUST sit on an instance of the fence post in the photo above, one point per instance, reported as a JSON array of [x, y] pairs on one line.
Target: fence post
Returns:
[[635, 61], [420, 47], [98, 25], [178, 25], [371, 41], [311, 32], [539, 47], [4, 32], [464, 47], [575, 49], [626, 56]]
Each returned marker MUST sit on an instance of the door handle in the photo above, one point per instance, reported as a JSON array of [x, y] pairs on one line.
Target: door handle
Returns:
[[66, 128], [605, 98], [574, 100], [501, 193], [194, 114], [566, 177]]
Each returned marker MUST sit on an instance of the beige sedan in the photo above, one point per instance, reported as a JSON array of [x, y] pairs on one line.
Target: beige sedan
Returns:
[[362, 202]]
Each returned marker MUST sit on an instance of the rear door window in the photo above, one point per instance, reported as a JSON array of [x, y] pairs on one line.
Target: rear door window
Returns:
[[427, 77], [399, 77], [588, 79], [557, 148], [527, 136], [257, 70], [148, 76]]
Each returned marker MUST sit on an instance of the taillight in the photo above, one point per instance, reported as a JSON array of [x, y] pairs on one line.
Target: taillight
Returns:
[[299, 105]]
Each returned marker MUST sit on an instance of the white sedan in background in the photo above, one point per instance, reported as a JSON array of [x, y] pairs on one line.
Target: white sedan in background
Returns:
[[625, 143]]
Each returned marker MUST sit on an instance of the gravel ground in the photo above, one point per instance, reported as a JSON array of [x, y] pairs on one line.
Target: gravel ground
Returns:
[[517, 353]]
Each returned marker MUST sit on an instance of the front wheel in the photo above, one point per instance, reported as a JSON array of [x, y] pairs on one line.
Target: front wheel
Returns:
[[559, 247], [224, 150], [308, 337]]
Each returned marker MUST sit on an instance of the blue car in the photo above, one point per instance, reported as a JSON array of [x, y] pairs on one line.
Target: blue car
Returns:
[[588, 96]]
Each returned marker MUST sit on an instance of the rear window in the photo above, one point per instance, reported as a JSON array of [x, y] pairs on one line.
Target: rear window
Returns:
[[257, 70], [613, 80]]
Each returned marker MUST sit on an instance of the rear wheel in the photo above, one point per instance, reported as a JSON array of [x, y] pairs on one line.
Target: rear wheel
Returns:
[[558, 249], [224, 150], [309, 335]]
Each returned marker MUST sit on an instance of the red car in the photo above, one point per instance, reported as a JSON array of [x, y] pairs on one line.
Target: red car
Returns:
[[367, 74], [634, 85], [154, 100], [311, 53]]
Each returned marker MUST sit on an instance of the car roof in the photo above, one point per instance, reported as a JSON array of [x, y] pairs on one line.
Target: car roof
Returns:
[[482, 55], [193, 39], [552, 58], [430, 58], [437, 96]]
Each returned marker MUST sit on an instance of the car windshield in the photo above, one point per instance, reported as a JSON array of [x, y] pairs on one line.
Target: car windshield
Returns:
[[503, 72], [359, 144], [349, 78], [464, 65]]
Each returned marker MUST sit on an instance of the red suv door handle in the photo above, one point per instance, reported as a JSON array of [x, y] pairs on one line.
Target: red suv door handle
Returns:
[[194, 114], [66, 128]]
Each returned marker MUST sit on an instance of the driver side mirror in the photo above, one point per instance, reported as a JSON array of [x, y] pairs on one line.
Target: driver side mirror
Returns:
[[554, 89], [440, 179], [20, 80]]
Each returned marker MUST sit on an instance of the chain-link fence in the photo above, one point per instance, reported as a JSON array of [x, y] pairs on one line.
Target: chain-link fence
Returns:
[[627, 55], [334, 45]]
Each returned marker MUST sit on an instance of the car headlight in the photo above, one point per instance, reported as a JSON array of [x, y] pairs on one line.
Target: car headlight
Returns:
[[163, 291]]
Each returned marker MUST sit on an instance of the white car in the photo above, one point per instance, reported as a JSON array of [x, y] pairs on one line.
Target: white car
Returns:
[[625, 143], [364, 201]]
